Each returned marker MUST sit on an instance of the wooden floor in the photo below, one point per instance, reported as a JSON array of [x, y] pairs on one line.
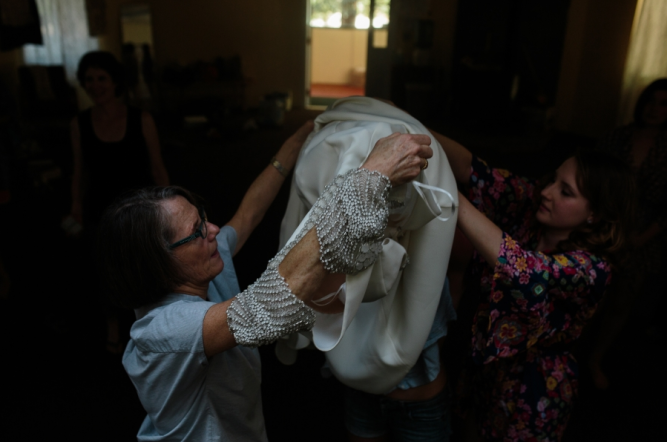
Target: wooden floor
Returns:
[[334, 90]]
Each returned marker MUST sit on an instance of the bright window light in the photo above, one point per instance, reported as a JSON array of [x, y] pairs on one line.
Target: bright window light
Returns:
[[362, 22], [317, 23], [335, 20], [380, 21]]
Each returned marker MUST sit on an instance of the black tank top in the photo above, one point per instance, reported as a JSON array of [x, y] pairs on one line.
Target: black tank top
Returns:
[[112, 169]]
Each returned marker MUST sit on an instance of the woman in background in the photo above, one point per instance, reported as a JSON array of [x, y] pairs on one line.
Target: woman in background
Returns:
[[643, 145], [115, 149]]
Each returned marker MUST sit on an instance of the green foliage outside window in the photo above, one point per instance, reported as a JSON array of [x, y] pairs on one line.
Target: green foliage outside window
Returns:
[[348, 13]]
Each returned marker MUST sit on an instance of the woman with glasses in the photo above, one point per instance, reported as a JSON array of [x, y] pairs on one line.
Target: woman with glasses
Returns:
[[192, 355]]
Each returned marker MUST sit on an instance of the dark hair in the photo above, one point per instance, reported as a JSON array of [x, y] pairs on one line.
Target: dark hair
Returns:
[[135, 264], [608, 184], [646, 96], [102, 60]]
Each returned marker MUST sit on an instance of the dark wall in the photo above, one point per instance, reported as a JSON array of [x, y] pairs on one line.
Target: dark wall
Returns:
[[498, 41]]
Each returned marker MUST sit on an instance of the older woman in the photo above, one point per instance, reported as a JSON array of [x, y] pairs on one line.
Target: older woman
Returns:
[[192, 357]]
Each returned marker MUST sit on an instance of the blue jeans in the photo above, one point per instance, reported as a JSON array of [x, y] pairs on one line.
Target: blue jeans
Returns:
[[369, 415]]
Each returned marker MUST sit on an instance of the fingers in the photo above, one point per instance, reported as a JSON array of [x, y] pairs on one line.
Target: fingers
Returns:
[[401, 157], [409, 139], [425, 151], [415, 144], [416, 159], [420, 139]]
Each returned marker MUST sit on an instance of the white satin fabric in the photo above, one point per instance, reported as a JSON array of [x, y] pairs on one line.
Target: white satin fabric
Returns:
[[389, 307]]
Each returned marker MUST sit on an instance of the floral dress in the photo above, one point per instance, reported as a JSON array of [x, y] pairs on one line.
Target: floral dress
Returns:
[[535, 304]]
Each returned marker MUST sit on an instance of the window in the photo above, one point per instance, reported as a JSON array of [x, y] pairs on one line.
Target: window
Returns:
[[647, 58], [65, 33], [348, 14]]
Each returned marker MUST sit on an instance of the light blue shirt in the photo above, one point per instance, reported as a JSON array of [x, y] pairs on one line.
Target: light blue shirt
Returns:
[[427, 367], [186, 395]]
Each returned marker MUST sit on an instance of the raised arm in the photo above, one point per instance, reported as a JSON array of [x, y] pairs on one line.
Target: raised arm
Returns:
[[484, 235], [264, 189], [398, 157], [77, 206], [159, 172], [460, 158], [538, 297]]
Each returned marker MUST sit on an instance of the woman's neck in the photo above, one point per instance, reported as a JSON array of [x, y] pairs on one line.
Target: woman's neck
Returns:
[[193, 289], [111, 108], [550, 238]]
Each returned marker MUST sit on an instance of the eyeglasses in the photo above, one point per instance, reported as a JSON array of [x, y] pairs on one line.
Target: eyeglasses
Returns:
[[202, 231]]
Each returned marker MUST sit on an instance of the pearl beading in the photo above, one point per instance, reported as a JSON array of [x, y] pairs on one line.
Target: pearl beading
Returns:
[[350, 218], [266, 311]]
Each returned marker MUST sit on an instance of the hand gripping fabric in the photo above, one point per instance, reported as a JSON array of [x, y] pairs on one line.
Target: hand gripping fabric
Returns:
[[350, 219], [351, 216], [374, 343]]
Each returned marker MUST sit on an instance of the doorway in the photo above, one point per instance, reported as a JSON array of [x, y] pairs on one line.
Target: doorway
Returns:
[[339, 36]]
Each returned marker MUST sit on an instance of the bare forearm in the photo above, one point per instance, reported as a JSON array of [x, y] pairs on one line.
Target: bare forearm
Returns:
[[300, 272], [264, 189], [303, 272], [302, 269], [256, 202], [78, 168], [484, 235], [76, 191], [160, 175], [322, 301], [460, 158]]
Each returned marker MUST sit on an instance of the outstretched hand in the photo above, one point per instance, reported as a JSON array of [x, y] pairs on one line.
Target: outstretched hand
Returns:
[[400, 157], [290, 149]]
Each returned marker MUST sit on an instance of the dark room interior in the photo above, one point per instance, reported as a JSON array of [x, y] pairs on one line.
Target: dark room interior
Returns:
[[522, 84]]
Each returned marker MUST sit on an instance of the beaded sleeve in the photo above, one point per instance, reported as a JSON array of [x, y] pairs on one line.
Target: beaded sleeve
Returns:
[[350, 218]]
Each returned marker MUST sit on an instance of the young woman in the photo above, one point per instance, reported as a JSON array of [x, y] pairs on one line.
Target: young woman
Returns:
[[545, 257]]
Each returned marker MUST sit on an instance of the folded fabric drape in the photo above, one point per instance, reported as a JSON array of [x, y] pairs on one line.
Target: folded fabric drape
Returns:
[[390, 306]]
